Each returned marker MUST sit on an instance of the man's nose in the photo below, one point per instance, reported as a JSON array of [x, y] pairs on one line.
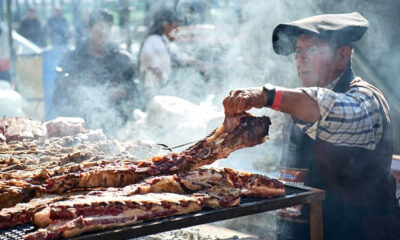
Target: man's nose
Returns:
[[302, 58]]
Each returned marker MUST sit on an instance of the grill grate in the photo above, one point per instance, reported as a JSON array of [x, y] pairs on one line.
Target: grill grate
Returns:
[[17, 232]]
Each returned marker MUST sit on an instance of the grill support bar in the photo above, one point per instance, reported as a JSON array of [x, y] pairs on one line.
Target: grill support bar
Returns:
[[304, 195]]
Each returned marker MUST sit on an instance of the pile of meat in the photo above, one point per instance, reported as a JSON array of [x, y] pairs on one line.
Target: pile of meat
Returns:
[[66, 180]]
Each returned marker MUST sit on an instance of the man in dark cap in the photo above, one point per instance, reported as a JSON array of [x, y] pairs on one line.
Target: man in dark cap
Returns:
[[341, 137]]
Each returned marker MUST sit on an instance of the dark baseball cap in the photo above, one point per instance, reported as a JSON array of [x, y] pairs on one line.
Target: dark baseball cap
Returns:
[[345, 28]]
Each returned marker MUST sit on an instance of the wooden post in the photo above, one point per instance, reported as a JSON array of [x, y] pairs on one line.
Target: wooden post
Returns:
[[78, 22], [124, 13], [2, 14], [18, 14], [316, 222], [13, 57]]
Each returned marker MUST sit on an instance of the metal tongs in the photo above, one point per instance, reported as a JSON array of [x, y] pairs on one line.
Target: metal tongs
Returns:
[[166, 147]]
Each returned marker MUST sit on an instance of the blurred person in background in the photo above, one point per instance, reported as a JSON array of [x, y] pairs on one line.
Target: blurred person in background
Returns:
[[57, 28], [154, 55], [4, 54], [156, 61], [30, 27], [95, 81], [341, 135]]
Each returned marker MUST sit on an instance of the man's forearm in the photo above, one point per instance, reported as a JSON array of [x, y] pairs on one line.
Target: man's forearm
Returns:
[[299, 105], [294, 102]]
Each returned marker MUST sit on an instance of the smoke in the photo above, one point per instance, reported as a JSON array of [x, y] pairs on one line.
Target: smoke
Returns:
[[245, 58], [236, 48]]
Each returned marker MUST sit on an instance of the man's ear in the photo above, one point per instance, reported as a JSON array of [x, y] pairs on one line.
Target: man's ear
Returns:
[[343, 55]]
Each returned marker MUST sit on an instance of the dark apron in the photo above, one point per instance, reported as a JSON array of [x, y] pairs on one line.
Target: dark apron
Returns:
[[347, 214]]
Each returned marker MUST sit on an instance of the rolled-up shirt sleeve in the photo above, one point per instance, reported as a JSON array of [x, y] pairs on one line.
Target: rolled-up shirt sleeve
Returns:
[[347, 119]]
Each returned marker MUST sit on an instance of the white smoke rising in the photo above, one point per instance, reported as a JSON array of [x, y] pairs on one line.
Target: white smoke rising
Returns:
[[237, 50], [239, 54], [248, 60]]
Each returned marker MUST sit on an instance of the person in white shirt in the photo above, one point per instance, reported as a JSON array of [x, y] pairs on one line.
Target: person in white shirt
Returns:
[[156, 61], [154, 56]]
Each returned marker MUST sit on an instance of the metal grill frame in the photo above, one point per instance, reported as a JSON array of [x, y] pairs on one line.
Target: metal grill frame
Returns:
[[294, 195]]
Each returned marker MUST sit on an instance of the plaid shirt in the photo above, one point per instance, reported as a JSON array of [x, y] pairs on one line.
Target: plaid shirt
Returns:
[[350, 119]]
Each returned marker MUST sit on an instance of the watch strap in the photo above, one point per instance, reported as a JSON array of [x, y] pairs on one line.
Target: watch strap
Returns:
[[270, 95]]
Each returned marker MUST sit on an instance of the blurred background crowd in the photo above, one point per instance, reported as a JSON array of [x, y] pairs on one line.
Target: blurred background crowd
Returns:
[[101, 59]]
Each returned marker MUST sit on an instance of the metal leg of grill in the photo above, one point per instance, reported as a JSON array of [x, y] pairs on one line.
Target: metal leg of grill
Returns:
[[316, 224]]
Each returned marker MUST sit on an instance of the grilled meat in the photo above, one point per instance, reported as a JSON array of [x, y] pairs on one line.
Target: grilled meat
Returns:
[[92, 213], [15, 129], [197, 182], [22, 213], [250, 132], [15, 191], [119, 189]]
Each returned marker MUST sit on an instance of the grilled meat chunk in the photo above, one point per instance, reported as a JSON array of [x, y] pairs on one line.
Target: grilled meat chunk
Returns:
[[15, 191], [15, 129]]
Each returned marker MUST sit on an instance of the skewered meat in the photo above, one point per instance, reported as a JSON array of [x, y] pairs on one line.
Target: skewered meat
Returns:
[[250, 132]]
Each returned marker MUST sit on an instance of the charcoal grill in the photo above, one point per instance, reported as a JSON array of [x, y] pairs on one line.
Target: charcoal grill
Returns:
[[294, 195]]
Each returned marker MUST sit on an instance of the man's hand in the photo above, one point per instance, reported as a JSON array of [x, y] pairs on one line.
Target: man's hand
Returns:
[[241, 100]]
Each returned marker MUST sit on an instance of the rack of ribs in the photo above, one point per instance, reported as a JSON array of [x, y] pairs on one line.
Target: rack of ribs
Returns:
[[92, 213], [255, 185], [249, 131], [208, 180]]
